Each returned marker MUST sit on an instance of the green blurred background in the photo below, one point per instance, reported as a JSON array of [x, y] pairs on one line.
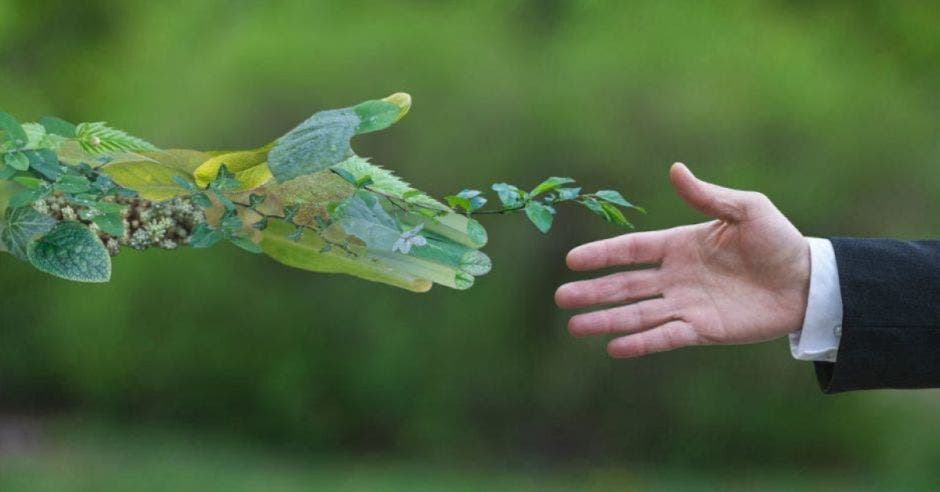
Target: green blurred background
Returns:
[[218, 370]]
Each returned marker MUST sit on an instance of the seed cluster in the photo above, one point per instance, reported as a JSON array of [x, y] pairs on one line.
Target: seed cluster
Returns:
[[147, 224]]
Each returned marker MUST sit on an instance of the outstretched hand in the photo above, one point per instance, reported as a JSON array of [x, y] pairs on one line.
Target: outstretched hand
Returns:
[[741, 278]]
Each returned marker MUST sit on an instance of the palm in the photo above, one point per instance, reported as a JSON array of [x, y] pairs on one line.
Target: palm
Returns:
[[740, 279]]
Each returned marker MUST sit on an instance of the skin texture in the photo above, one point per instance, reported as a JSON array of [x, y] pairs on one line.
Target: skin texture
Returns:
[[741, 278]]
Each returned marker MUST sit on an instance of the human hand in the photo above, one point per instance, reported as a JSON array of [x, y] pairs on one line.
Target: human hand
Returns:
[[741, 278]]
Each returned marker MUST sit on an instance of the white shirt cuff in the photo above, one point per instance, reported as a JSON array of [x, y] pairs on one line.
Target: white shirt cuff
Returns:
[[818, 340]]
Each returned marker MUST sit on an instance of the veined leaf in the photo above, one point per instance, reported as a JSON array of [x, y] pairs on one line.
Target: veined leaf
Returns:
[[364, 217], [249, 166], [71, 251], [316, 144], [20, 226]]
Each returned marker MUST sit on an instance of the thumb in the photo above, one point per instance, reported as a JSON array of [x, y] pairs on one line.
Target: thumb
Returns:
[[715, 201]]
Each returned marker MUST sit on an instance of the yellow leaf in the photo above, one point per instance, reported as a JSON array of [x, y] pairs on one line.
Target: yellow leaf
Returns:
[[151, 173], [249, 166]]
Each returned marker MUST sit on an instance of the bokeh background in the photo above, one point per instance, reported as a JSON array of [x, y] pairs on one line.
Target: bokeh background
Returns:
[[219, 370]]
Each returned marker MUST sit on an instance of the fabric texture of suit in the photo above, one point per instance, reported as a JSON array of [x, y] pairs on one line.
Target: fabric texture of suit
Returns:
[[891, 316]]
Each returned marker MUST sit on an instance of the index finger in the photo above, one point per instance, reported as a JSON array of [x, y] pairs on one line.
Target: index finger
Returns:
[[628, 249]]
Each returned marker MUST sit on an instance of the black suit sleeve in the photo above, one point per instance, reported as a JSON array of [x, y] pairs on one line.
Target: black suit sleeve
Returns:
[[890, 317]]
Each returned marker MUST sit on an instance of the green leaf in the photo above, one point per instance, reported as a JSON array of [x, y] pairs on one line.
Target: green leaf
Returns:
[[110, 218], [595, 207], [71, 251], [540, 215], [12, 130], [58, 126], [27, 197], [246, 244], [614, 197], [71, 183], [615, 216], [549, 185], [20, 227], [28, 182], [509, 195], [98, 138], [457, 201], [16, 160], [204, 236], [378, 114], [316, 144]]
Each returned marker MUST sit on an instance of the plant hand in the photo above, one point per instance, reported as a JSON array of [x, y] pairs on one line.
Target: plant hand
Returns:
[[741, 278]]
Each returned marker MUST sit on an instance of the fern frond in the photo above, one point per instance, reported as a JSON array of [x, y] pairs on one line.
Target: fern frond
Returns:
[[99, 138]]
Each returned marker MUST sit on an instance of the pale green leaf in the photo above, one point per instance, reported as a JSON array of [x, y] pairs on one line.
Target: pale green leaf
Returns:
[[540, 215]]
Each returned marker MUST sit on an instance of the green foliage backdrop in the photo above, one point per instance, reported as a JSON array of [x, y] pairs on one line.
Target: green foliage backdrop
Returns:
[[829, 108]]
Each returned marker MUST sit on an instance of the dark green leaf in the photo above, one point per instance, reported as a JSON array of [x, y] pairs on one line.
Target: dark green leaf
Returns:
[[72, 183], [254, 200], [20, 226], [595, 206], [45, 162], [201, 200], [549, 185], [71, 251], [12, 130], [26, 197], [540, 215], [348, 176], [58, 126], [225, 181], [232, 223], [111, 223], [204, 236]]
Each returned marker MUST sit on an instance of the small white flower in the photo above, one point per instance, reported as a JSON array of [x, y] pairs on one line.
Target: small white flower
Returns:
[[409, 239]]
